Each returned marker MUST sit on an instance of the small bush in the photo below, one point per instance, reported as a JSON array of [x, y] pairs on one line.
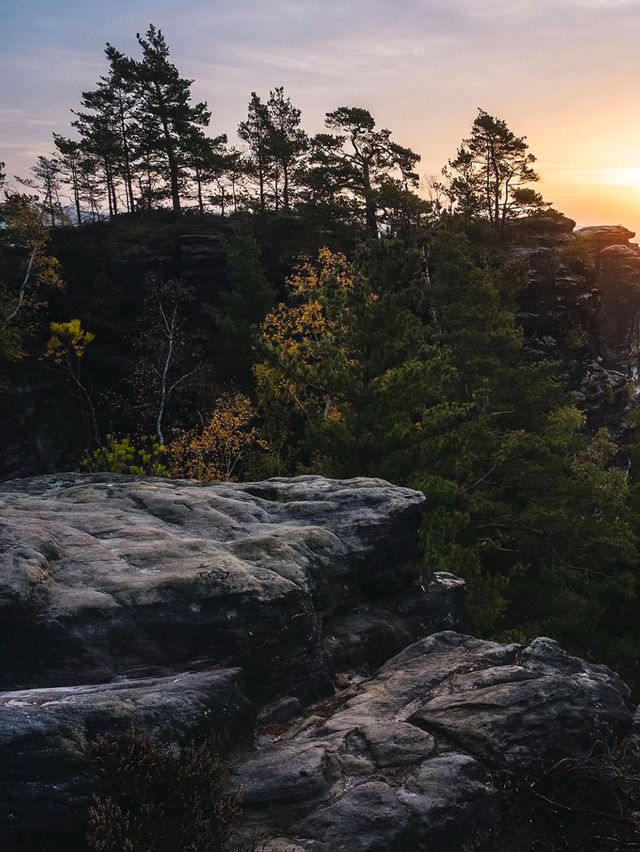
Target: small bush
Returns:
[[221, 449], [144, 458], [163, 799], [581, 805]]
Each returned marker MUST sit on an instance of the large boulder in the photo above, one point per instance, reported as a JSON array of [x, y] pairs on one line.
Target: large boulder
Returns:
[[183, 609], [414, 758], [544, 229], [599, 237], [104, 576], [417, 757]]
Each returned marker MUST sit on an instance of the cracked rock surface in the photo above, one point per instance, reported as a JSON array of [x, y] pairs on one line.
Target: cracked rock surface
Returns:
[[179, 607], [410, 759], [183, 608]]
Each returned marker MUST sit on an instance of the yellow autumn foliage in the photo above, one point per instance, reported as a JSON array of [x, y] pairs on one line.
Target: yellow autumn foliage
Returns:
[[67, 338], [291, 328], [299, 336], [332, 271], [215, 451]]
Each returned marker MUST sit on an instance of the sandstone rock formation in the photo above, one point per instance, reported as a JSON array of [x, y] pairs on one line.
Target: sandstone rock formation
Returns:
[[547, 229], [231, 611], [127, 584], [104, 576], [47, 777], [412, 758], [600, 237], [619, 313], [581, 309]]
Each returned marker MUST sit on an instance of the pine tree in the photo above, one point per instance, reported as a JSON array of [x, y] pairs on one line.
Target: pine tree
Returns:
[[207, 159], [65, 349], [256, 132], [70, 165], [164, 103], [244, 305], [288, 143], [46, 180], [339, 355], [121, 90], [108, 130], [363, 158], [491, 173]]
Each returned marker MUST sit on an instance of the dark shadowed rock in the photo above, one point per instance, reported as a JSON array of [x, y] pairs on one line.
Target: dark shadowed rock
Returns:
[[280, 711], [580, 308], [549, 229], [45, 744], [201, 256], [408, 759], [618, 320]]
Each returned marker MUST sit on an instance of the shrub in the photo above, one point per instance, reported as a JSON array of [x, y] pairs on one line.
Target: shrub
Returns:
[[144, 458], [578, 804], [221, 448], [163, 799]]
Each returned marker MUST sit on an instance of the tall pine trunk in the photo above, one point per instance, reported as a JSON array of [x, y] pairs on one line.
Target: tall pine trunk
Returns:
[[171, 154], [369, 202]]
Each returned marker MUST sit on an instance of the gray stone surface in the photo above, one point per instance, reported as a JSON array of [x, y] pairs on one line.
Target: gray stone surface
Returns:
[[184, 609], [103, 576], [410, 759], [47, 778], [135, 601]]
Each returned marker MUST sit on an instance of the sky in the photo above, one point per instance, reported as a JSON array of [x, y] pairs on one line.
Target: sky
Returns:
[[563, 73]]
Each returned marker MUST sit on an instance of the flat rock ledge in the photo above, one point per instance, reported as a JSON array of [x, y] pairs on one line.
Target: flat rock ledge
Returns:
[[47, 779], [180, 607], [108, 576]]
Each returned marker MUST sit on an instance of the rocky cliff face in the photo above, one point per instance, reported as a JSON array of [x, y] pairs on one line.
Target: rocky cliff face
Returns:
[[581, 308], [106, 576], [165, 601], [258, 613]]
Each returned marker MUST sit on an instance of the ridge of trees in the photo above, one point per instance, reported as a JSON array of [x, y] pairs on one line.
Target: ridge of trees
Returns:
[[141, 144]]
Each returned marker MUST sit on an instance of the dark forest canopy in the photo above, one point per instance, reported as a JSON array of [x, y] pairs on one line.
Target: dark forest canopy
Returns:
[[292, 304]]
